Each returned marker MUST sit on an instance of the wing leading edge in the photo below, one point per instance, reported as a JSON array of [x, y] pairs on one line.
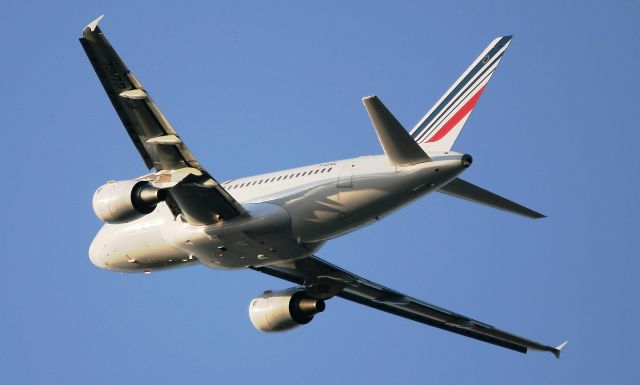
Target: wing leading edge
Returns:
[[324, 280], [199, 198]]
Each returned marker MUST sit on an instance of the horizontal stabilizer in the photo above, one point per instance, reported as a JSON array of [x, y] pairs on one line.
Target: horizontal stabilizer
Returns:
[[465, 190], [399, 147]]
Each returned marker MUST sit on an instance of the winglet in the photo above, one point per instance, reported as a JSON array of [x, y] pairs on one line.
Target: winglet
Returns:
[[558, 349], [94, 24]]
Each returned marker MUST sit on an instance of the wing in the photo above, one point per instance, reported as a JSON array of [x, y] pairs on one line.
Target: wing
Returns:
[[198, 197], [325, 280]]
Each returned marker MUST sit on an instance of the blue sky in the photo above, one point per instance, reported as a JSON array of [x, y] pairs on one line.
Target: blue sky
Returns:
[[259, 86]]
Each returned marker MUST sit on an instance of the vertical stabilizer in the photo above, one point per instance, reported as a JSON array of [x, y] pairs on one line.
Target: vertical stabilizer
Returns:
[[439, 128]]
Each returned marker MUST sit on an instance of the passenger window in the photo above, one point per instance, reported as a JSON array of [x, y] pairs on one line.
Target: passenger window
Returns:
[[321, 171], [316, 172], [297, 175], [330, 168]]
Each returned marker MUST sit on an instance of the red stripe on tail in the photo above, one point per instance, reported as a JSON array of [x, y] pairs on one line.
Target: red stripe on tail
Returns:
[[455, 119]]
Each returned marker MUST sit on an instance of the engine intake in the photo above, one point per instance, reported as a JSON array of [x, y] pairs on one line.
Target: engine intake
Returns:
[[280, 311], [125, 201]]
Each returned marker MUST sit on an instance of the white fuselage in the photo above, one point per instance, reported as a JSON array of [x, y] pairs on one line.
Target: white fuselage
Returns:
[[291, 214]]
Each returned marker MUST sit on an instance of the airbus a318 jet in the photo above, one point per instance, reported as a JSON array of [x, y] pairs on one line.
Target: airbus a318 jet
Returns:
[[275, 223]]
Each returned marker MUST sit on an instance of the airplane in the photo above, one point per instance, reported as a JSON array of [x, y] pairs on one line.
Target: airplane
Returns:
[[275, 223]]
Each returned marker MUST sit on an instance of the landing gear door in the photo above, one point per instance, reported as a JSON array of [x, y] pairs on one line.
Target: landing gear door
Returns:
[[345, 180]]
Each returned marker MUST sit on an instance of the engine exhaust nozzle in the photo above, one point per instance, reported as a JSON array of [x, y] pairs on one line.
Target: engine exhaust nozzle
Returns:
[[311, 306]]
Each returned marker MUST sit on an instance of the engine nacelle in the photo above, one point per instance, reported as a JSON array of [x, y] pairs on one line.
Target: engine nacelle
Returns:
[[125, 201], [280, 311]]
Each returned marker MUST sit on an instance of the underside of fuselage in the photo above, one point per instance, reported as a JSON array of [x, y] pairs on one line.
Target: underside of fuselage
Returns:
[[278, 227]]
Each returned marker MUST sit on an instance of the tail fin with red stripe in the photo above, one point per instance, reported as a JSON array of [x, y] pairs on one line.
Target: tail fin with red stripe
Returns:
[[439, 128]]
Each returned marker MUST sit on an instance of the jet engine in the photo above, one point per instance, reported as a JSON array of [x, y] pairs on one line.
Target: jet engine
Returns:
[[125, 201], [280, 311]]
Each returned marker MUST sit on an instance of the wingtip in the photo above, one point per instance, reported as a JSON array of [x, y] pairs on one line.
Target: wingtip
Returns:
[[558, 349], [94, 24]]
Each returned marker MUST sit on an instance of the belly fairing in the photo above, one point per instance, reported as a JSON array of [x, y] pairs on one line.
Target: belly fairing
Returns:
[[262, 238]]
